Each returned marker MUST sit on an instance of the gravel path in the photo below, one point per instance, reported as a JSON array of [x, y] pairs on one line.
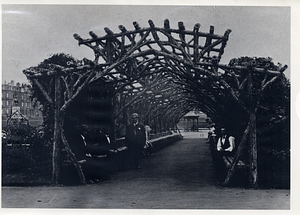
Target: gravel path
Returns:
[[178, 177]]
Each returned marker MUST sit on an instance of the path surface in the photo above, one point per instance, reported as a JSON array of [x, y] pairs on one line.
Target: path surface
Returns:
[[177, 177]]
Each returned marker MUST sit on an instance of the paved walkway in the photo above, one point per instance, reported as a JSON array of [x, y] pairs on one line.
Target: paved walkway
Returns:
[[178, 177]]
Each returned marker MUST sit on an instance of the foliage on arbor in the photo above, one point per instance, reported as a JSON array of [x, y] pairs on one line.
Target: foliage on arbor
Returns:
[[273, 112], [58, 82], [273, 120], [45, 78]]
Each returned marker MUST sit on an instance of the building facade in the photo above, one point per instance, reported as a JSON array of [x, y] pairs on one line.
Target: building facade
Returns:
[[18, 97]]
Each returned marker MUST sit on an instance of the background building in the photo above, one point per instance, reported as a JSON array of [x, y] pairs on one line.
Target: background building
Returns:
[[18, 97], [193, 121]]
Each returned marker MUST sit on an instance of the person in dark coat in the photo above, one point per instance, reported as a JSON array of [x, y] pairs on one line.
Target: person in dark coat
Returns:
[[87, 150], [97, 141], [135, 140]]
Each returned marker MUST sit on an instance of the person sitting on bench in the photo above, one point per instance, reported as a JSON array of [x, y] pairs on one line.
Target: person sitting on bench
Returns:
[[90, 149], [226, 143], [96, 141], [225, 147]]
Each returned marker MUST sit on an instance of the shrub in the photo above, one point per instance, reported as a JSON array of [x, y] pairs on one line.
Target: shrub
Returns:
[[23, 147]]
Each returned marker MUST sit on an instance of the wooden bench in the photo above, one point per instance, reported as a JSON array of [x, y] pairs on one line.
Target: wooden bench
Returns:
[[161, 142], [229, 159], [240, 175], [119, 150]]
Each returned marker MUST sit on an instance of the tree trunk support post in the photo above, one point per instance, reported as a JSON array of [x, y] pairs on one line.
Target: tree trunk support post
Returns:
[[73, 158], [56, 135], [253, 175], [239, 151]]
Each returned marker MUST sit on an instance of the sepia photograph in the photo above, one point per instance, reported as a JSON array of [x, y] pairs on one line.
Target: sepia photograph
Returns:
[[146, 107]]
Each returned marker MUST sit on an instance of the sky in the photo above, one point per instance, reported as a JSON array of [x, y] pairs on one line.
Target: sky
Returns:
[[32, 33]]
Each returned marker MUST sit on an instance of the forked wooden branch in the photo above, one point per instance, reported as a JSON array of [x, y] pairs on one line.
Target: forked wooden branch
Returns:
[[237, 155], [73, 157]]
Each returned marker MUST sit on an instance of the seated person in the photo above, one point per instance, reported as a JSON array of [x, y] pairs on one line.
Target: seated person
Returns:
[[225, 147], [97, 142], [226, 143], [93, 167]]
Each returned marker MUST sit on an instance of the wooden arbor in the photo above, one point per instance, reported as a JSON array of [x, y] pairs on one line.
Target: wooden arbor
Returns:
[[162, 72], [145, 61]]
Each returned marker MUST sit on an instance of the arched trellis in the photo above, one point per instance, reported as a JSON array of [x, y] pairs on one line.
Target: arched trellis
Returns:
[[154, 49], [142, 62]]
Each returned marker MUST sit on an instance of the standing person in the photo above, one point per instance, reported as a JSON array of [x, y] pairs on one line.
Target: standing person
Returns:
[[135, 140], [148, 148], [211, 135]]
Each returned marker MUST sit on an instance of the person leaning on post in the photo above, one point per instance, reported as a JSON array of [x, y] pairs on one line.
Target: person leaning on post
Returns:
[[135, 140]]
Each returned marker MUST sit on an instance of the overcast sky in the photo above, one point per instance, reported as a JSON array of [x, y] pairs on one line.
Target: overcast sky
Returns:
[[32, 33]]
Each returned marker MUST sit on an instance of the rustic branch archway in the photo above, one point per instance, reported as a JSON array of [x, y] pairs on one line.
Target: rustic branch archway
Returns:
[[164, 72]]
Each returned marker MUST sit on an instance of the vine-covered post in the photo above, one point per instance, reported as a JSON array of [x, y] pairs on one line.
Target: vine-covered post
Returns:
[[56, 135], [253, 151], [252, 135], [112, 120]]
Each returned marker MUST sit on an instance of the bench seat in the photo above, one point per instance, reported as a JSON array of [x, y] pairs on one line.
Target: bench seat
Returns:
[[229, 159]]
